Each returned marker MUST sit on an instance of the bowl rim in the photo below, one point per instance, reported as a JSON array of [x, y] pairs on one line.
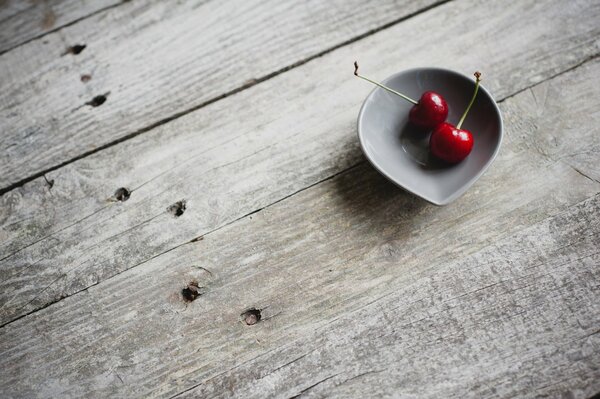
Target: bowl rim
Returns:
[[485, 167]]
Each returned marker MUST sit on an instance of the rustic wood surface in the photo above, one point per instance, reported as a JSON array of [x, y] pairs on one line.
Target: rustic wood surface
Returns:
[[224, 167], [177, 57], [255, 195]]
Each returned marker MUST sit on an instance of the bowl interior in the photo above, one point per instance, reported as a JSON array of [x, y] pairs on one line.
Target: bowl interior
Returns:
[[400, 151]]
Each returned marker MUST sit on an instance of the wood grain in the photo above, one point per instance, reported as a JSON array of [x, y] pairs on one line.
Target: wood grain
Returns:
[[518, 318], [153, 61], [22, 21], [63, 239], [363, 289]]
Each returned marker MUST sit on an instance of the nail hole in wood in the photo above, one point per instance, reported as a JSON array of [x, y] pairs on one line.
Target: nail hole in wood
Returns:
[[97, 101], [75, 49], [177, 208], [191, 292], [122, 194], [86, 77], [251, 316]]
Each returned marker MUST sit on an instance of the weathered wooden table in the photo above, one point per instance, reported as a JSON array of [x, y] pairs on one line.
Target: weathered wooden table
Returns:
[[186, 212]]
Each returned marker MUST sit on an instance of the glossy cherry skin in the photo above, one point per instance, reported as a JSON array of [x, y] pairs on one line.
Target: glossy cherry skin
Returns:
[[430, 111], [450, 144]]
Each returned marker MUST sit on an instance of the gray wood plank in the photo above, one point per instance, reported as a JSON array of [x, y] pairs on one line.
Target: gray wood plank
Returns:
[[69, 237], [22, 21], [495, 291], [519, 318], [157, 60]]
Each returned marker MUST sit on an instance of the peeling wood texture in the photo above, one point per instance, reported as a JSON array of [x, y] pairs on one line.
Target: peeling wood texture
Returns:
[[247, 249]]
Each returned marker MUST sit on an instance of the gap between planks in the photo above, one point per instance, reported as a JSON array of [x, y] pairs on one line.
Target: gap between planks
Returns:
[[234, 91], [183, 238], [191, 240], [320, 181]]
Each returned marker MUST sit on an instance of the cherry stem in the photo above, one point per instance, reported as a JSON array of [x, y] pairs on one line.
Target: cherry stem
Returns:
[[382, 86], [462, 118]]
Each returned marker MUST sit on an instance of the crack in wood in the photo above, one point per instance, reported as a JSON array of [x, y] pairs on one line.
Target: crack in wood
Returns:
[[307, 389], [583, 174], [363, 374], [225, 372], [287, 364], [54, 233]]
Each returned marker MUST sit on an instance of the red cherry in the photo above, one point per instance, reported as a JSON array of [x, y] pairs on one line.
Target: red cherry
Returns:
[[430, 111], [450, 144]]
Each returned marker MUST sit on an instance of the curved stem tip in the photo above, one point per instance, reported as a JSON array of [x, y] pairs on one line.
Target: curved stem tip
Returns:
[[464, 115], [382, 86]]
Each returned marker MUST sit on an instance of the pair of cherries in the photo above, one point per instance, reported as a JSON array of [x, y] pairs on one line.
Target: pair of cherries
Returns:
[[448, 142]]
